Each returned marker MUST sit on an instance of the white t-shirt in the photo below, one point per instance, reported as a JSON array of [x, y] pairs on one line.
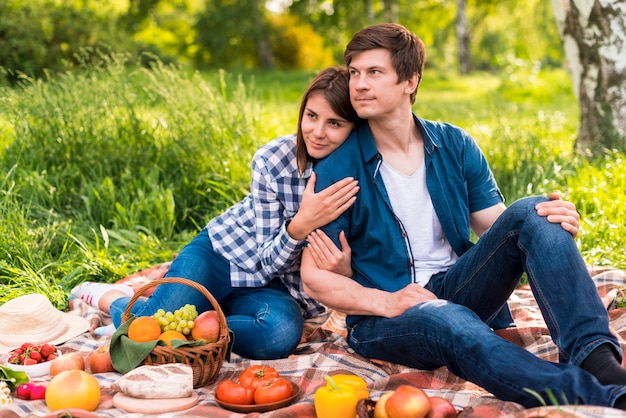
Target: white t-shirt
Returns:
[[411, 203]]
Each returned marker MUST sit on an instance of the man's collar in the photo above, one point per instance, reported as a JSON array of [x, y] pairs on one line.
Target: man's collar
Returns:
[[368, 147]]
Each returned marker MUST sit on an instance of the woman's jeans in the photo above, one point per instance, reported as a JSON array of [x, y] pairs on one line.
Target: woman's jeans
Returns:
[[453, 332], [266, 321]]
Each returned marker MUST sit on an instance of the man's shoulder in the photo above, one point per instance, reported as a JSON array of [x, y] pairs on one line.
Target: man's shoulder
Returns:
[[349, 151]]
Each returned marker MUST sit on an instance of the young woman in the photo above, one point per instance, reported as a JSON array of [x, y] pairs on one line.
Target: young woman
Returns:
[[249, 257]]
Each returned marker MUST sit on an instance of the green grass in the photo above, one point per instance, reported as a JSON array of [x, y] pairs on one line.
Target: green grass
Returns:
[[110, 170]]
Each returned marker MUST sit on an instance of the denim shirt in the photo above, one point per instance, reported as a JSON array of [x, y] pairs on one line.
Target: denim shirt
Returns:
[[458, 179]]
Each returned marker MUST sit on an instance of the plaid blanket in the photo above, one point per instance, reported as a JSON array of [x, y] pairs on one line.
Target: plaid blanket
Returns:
[[324, 350]]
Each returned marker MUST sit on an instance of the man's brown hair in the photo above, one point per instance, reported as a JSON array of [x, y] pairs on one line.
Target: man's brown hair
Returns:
[[407, 50]]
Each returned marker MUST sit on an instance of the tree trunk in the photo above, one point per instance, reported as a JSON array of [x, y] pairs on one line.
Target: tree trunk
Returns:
[[593, 33], [463, 38]]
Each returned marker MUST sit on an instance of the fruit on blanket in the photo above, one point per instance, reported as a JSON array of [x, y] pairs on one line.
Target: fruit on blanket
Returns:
[[23, 391], [441, 408], [206, 327], [407, 402], [144, 328], [67, 361], [235, 392], [168, 336], [100, 360], [379, 409], [73, 389], [38, 392]]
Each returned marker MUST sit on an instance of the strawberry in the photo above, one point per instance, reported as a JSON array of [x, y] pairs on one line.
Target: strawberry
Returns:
[[29, 361], [47, 349], [25, 346], [51, 357], [36, 355]]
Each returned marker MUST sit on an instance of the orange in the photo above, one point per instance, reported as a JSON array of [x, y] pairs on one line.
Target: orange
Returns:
[[170, 335], [73, 389], [144, 328]]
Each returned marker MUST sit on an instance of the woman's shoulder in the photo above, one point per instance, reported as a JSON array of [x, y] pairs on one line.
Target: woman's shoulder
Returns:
[[278, 157], [285, 144]]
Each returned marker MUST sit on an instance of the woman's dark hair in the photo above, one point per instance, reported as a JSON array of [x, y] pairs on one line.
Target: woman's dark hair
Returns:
[[333, 83], [407, 50]]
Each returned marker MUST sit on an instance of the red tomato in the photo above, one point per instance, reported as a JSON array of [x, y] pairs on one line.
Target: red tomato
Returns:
[[254, 376], [273, 390], [232, 391]]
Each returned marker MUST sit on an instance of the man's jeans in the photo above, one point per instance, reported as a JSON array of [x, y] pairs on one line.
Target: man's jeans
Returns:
[[267, 321], [453, 332]]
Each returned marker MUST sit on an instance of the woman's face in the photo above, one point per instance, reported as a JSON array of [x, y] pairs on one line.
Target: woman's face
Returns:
[[323, 130]]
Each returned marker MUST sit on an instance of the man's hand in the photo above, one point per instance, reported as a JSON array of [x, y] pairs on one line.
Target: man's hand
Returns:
[[398, 302], [559, 211], [326, 254]]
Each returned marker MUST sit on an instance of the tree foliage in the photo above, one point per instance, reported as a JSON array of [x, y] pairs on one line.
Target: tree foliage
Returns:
[[47, 34]]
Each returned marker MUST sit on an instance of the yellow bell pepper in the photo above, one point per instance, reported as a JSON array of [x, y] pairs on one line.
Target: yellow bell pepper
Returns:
[[338, 400], [355, 381]]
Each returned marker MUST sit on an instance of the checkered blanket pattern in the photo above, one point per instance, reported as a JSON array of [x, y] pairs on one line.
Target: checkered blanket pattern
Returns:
[[324, 350]]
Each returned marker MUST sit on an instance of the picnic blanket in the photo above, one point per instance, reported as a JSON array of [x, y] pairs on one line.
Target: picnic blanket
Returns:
[[324, 350]]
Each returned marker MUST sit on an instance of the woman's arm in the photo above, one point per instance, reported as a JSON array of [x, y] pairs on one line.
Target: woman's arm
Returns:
[[280, 236]]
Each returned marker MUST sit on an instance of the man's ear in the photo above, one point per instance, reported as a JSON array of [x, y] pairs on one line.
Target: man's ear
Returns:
[[412, 83]]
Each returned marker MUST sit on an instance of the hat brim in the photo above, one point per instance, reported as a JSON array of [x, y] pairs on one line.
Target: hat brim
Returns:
[[76, 325]]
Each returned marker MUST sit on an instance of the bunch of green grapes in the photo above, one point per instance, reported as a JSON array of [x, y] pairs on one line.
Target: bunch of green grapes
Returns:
[[180, 320]]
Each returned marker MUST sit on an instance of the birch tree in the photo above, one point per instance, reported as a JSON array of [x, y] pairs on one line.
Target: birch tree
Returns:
[[593, 34]]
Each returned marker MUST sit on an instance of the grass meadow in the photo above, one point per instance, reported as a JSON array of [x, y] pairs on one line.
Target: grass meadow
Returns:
[[108, 170]]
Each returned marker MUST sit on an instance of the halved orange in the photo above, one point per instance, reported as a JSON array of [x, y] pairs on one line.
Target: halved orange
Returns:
[[169, 335]]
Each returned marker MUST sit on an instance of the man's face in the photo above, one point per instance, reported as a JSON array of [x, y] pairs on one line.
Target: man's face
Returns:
[[374, 87]]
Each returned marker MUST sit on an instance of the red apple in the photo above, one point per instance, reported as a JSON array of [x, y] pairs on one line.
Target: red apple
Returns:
[[23, 390], [206, 327], [441, 408], [408, 402], [379, 409], [67, 361], [100, 360], [38, 392]]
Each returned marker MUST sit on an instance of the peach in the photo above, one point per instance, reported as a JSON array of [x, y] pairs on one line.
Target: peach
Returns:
[[206, 327], [408, 402]]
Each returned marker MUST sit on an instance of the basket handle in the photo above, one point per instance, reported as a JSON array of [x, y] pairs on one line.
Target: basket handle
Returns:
[[180, 280]]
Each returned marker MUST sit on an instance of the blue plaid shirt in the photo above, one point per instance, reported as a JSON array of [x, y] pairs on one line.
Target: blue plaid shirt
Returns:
[[252, 234]]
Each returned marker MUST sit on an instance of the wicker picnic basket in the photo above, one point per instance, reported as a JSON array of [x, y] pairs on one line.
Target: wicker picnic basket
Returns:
[[205, 360]]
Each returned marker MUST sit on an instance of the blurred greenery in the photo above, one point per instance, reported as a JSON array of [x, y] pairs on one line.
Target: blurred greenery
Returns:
[[46, 35]]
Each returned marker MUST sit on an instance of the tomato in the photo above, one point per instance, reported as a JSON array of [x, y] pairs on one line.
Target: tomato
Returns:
[[235, 392], [254, 376], [273, 390]]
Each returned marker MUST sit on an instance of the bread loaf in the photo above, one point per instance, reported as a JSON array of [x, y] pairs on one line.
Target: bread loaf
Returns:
[[172, 380]]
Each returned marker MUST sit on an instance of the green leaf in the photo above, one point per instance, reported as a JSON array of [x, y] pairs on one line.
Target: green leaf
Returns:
[[12, 377]]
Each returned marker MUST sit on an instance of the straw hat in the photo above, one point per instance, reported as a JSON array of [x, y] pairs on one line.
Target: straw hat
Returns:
[[33, 319]]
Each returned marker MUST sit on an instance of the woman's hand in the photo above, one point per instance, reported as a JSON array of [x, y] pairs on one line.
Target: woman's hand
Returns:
[[319, 209], [326, 254]]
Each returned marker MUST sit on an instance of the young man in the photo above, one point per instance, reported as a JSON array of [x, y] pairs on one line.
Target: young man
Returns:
[[421, 293]]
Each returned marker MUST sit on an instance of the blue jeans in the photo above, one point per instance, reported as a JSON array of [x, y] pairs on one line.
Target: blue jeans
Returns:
[[453, 332], [267, 321]]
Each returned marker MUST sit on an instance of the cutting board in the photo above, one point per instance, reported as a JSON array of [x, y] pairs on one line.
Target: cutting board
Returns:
[[153, 406]]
